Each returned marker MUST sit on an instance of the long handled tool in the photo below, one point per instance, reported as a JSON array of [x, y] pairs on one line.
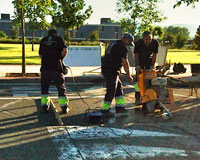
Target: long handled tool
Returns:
[[56, 113], [167, 114]]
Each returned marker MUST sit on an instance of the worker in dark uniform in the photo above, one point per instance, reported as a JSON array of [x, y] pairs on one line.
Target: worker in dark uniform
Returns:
[[116, 56], [52, 51], [145, 51]]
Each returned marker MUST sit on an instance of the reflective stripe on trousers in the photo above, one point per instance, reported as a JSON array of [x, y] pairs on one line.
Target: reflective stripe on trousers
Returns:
[[45, 100], [106, 105], [62, 101], [120, 101], [136, 86]]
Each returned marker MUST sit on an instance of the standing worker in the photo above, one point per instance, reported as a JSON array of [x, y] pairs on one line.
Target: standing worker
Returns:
[[52, 52], [145, 51], [116, 56]]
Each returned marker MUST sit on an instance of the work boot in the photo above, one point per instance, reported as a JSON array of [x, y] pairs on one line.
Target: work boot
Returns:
[[46, 108], [107, 113], [120, 109], [65, 109]]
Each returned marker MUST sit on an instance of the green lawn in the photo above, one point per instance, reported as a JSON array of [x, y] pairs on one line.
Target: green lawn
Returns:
[[183, 56], [11, 54]]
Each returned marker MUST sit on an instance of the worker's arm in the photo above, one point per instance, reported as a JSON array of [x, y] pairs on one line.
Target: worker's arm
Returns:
[[137, 67], [64, 52], [41, 48], [136, 59], [126, 66], [154, 59], [154, 51]]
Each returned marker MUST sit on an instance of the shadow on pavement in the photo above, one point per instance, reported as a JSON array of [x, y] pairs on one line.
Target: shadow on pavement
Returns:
[[23, 132]]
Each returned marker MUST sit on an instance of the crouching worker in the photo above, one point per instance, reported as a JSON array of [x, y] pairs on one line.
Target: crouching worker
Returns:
[[146, 50], [52, 51], [116, 56]]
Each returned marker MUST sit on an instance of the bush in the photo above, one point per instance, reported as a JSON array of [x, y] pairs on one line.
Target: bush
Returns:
[[14, 33], [2, 34], [84, 43], [37, 41], [13, 41], [94, 36]]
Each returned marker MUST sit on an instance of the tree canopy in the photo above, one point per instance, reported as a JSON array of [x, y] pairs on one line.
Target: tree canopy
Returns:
[[187, 2], [140, 15], [197, 38], [176, 37], [70, 14], [35, 12]]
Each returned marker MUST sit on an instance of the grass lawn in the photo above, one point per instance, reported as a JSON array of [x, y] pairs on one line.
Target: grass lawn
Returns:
[[12, 54], [183, 56]]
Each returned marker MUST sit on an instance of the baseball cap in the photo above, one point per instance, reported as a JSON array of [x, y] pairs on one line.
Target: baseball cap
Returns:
[[129, 37]]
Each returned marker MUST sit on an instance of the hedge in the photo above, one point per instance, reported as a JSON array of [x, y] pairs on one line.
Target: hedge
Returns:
[[37, 41]]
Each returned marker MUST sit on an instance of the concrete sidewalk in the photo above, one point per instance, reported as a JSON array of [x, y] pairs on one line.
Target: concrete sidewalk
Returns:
[[81, 74], [77, 71]]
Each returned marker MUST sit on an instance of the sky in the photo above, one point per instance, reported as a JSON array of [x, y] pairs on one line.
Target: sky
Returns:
[[107, 9]]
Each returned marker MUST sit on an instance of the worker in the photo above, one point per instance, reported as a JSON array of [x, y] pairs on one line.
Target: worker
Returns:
[[145, 52], [116, 56], [52, 52]]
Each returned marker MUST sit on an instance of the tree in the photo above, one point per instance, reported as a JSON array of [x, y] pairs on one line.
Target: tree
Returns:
[[187, 2], [139, 15], [3, 35], [14, 33], [169, 38], [70, 14], [94, 36], [157, 31], [177, 37], [36, 13], [24, 9], [19, 7], [197, 38], [128, 25]]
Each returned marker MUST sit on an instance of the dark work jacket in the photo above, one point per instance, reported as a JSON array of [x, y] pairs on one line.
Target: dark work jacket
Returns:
[[51, 48]]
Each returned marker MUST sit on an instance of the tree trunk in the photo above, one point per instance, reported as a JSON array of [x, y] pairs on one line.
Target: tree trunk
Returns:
[[23, 42], [33, 37], [67, 36]]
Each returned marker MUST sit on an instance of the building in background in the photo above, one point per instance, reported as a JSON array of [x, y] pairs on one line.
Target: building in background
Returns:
[[107, 31], [6, 24]]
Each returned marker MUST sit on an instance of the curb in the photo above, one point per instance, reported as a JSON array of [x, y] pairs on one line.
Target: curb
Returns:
[[78, 79]]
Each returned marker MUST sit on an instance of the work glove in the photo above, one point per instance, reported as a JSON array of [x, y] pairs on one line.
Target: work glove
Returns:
[[138, 69]]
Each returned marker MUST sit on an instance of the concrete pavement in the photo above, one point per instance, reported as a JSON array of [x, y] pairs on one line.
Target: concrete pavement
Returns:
[[26, 133], [77, 71]]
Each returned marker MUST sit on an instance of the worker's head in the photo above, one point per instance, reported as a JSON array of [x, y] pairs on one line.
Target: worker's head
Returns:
[[128, 39], [52, 32], [147, 37]]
